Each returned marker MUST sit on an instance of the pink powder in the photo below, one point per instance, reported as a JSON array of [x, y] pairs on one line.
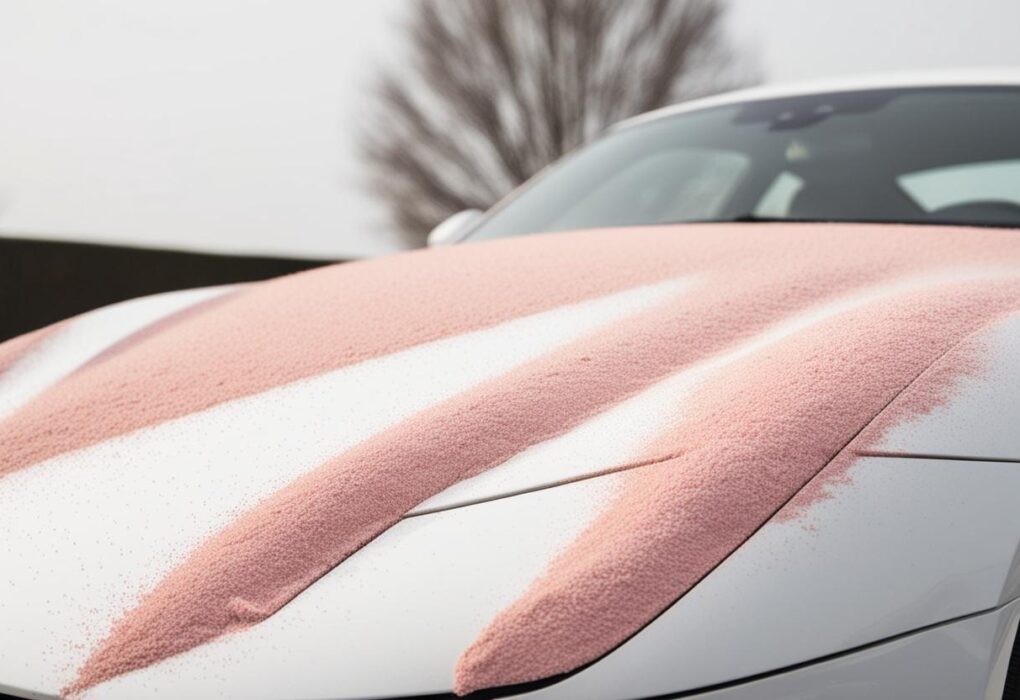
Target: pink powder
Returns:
[[933, 388], [309, 323], [274, 552], [755, 435], [306, 324]]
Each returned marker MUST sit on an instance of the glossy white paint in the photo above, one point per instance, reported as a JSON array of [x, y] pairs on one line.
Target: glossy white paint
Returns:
[[957, 661], [905, 544], [76, 558], [981, 419]]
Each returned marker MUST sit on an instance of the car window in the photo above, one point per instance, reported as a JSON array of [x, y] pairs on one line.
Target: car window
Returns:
[[668, 186], [937, 188], [911, 155]]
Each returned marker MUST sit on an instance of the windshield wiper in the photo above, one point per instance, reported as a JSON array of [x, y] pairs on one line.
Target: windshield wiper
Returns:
[[755, 218]]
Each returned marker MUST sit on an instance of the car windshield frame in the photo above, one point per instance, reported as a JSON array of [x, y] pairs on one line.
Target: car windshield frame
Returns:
[[800, 111]]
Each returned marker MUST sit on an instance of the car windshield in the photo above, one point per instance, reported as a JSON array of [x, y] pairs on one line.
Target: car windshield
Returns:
[[940, 156]]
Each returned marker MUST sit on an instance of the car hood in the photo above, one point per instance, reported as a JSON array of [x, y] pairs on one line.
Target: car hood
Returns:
[[196, 482]]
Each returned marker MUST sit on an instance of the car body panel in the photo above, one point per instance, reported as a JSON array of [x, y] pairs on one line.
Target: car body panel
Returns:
[[155, 494], [976, 423], [392, 621], [900, 545], [885, 554], [964, 659]]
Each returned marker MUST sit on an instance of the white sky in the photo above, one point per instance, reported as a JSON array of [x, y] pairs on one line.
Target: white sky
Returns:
[[230, 124]]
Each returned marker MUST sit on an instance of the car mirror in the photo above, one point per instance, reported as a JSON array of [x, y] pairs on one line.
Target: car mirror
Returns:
[[454, 229]]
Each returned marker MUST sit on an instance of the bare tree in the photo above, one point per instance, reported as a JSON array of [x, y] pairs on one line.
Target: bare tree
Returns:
[[495, 90]]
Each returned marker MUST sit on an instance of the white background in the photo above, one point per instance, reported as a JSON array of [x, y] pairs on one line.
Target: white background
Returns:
[[232, 125]]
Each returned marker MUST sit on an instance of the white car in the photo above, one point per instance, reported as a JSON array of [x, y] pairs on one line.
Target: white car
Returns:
[[742, 423]]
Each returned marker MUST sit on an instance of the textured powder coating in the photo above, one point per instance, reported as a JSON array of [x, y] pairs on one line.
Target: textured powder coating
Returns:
[[756, 435], [753, 434], [305, 324], [342, 505], [931, 389]]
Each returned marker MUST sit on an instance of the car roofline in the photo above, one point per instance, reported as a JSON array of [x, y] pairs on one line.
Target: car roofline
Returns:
[[987, 77]]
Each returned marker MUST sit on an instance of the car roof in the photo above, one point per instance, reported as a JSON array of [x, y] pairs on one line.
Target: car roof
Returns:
[[946, 78]]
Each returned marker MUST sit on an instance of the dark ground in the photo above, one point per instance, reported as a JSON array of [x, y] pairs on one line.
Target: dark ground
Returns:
[[46, 281]]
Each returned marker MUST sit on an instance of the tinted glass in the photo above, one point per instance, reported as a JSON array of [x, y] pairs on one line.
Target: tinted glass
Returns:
[[920, 155]]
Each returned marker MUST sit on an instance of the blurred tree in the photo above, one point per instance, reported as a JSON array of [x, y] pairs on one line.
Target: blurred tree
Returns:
[[495, 90]]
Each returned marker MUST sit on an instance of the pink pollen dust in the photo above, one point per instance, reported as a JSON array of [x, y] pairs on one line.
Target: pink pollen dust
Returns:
[[299, 326], [302, 325], [755, 434], [932, 389], [272, 553]]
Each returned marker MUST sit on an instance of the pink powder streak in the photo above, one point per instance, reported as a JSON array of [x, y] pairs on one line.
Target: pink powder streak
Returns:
[[756, 277], [271, 554], [932, 389], [757, 435], [303, 325]]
